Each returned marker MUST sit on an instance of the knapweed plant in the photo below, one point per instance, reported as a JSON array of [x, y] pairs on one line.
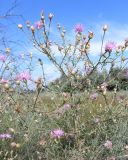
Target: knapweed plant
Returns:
[[80, 116]]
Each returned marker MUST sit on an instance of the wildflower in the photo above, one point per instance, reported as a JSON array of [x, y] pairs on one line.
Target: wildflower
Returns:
[[23, 76], [3, 58], [66, 106], [20, 26], [108, 144], [93, 96], [39, 24], [57, 133], [105, 28], [79, 28], [110, 46], [5, 136], [4, 81]]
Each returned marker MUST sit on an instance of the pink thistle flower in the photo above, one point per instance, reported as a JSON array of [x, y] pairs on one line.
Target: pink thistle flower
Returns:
[[23, 76], [66, 106], [4, 81], [93, 96], [111, 158], [79, 28], [57, 133], [110, 46], [108, 144], [3, 58], [5, 136], [39, 24]]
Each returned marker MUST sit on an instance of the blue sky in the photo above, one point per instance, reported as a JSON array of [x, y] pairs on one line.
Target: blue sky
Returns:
[[93, 14], [70, 12]]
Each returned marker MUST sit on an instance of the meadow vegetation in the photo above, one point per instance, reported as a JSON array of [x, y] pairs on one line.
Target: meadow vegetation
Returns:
[[80, 116]]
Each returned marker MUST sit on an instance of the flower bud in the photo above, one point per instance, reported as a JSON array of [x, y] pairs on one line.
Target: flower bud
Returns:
[[20, 26], [13, 144], [87, 45], [8, 50], [58, 26], [6, 86], [11, 90], [78, 37], [123, 49], [17, 145], [28, 24], [42, 16], [90, 36], [84, 37], [11, 130], [126, 42], [18, 82], [32, 29], [105, 28], [50, 16], [115, 90], [104, 91], [60, 48], [123, 59], [30, 55], [62, 34]]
